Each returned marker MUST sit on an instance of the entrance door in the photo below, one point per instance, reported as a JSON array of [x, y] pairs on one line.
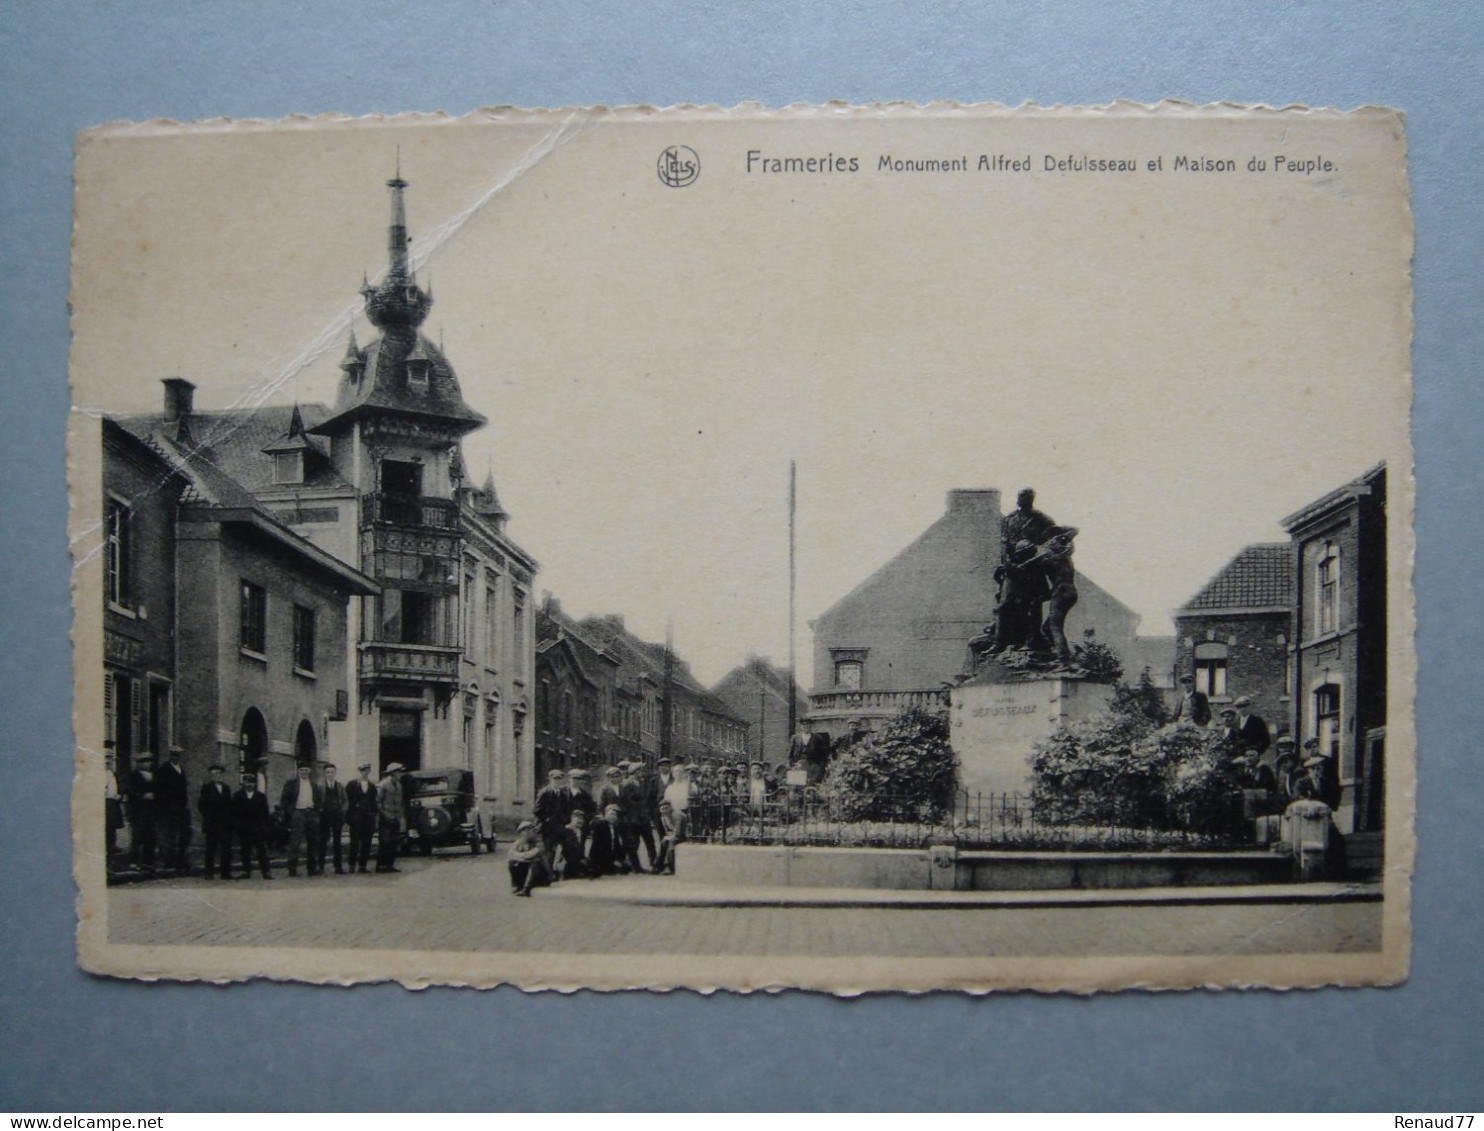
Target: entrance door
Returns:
[[401, 738]]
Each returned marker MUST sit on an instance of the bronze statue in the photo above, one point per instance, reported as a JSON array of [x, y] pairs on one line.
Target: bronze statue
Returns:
[[1035, 569]]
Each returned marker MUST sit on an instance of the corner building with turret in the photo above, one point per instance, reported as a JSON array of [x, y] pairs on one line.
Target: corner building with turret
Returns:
[[440, 650], [444, 654]]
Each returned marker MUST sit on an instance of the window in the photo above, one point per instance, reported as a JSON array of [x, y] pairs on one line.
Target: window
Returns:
[[417, 374], [288, 467], [400, 477], [470, 610], [518, 628], [303, 638], [1327, 590], [254, 635], [848, 674], [491, 626], [410, 617], [118, 579], [1210, 669], [1327, 719]]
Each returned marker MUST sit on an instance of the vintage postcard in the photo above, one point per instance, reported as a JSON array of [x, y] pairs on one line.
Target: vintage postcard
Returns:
[[845, 548]]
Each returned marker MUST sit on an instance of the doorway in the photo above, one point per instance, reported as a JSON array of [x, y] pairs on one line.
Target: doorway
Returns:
[[401, 738]]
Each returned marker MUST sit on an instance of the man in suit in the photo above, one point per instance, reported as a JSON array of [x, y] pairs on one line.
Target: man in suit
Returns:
[[142, 812], [1252, 732], [605, 851], [391, 818], [302, 801], [215, 807], [331, 819], [552, 809], [633, 803], [251, 818], [360, 815], [173, 810], [1193, 707]]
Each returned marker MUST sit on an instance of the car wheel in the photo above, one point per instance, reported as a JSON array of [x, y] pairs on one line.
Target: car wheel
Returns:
[[427, 847]]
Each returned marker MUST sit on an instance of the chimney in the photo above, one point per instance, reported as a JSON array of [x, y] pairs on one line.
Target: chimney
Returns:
[[180, 397], [965, 499]]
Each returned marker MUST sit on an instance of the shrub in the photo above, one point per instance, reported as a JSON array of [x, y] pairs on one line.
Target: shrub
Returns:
[[905, 772], [1125, 768]]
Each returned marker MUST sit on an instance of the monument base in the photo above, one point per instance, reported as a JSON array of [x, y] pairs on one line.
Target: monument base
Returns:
[[995, 723]]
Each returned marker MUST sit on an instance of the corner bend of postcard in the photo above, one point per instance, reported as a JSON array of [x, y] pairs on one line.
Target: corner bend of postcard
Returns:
[[677, 600]]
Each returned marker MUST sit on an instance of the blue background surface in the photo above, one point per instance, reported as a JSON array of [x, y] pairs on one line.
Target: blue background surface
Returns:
[[76, 1042]]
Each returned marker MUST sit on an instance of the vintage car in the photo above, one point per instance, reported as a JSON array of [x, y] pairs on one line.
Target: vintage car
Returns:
[[443, 811]]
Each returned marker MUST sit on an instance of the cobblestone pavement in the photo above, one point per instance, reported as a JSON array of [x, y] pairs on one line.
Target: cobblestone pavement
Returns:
[[464, 903]]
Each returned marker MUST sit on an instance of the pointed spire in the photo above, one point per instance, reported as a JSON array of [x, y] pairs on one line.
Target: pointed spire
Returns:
[[296, 422], [397, 233]]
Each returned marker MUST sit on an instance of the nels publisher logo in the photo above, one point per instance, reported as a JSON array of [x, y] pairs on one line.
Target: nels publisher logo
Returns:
[[678, 166]]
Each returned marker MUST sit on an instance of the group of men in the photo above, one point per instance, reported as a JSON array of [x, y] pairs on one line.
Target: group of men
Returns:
[[1273, 764], [316, 813], [582, 829]]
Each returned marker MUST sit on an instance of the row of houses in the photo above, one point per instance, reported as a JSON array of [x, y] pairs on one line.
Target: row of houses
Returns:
[[327, 583]]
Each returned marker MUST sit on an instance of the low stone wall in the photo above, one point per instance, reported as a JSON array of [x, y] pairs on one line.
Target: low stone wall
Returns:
[[945, 869]]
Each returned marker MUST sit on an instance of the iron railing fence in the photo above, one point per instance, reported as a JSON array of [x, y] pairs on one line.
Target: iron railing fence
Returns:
[[999, 821]]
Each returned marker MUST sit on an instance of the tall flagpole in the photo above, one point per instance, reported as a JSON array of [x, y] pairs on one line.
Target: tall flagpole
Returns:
[[793, 693]]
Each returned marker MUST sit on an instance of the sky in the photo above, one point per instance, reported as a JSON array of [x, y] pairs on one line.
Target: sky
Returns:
[[1174, 361]]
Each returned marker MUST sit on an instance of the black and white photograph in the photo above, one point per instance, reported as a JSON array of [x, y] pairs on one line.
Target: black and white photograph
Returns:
[[846, 548]]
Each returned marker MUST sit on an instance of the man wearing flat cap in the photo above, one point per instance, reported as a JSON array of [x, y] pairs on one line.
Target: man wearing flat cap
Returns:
[[1193, 707], [331, 819], [391, 818], [1252, 731], [360, 816], [552, 809], [215, 807]]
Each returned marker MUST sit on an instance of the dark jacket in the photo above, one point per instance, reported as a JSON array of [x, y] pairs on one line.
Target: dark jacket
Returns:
[[334, 803], [633, 806], [553, 808], [289, 801], [360, 802], [1253, 735], [605, 851], [215, 806], [251, 816], [170, 787], [1193, 708]]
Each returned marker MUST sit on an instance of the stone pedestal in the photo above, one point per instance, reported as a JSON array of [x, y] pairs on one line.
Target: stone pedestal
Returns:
[[995, 722]]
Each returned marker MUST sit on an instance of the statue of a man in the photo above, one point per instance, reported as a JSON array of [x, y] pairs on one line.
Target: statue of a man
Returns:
[[1021, 574]]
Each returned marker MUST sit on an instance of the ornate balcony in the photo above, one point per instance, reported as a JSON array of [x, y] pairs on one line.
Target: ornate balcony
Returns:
[[410, 510], [415, 663]]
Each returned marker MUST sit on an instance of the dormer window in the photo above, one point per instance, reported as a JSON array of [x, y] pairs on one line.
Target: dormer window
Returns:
[[417, 374], [288, 467]]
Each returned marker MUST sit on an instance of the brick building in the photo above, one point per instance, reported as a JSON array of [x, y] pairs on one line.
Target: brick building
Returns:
[[758, 691], [1339, 580], [660, 708], [140, 494], [434, 659], [581, 719], [1233, 635], [258, 655], [900, 636]]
